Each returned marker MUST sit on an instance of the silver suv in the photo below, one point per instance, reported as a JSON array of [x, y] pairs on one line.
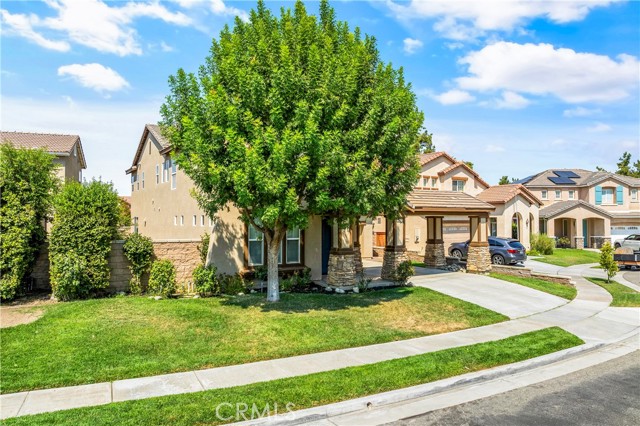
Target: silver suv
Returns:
[[632, 242]]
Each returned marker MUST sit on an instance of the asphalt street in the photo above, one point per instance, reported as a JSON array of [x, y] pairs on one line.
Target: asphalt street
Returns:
[[632, 276], [605, 395]]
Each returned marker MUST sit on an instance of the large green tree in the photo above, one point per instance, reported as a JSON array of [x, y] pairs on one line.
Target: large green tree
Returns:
[[28, 182], [292, 116]]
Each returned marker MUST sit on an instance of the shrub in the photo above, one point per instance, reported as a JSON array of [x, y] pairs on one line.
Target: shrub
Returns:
[[28, 183], [542, 244], [298, 281], [73, 277], [232, 284], [363, 283], [203, 247], [564, 242], [138, 249], [607, 263], [261, 273], [87, 217], [403, 272], [162, 279], [205, 280]]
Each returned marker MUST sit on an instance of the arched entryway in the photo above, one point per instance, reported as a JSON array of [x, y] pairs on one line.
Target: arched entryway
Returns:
[[516, 226]]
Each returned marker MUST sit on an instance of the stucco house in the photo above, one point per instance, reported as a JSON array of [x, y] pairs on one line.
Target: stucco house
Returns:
[[586, 207], [66, 148]]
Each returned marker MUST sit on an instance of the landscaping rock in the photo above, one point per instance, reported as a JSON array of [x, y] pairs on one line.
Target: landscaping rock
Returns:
[[157, 297], [197, 296], [356, 290], [340, 291], [328, 289]]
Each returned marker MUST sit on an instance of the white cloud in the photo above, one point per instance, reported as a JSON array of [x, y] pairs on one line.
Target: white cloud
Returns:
[[94, 76], [411, 45], [580, 112], [165, 47], [494, 148], [454, 97], [91, 23], [465, 20], [217, 7], [511, 100], [559, 141], [541, 70], [599, 127]]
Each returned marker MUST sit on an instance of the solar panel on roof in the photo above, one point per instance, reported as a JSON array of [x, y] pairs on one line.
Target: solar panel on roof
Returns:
[[565, 173], [526, 180], [562, 181]]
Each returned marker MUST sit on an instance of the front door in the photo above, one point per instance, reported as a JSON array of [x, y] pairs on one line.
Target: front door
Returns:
[[585, 232], [326, 245]]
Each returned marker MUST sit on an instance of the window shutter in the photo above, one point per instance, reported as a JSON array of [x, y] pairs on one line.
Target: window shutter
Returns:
[[598, 195], [619, 195]]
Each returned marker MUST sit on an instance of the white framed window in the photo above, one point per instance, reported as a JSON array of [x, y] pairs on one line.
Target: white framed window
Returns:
[[142, 180], [181, 220], [607, 196], [174, 175], [256, 246], [165, 170], [157, 174], [634, 194], [493, 227], [175, 221], [572, 194], [544, 194], [293, 245], [434, 182], [457, 185], [202, 220], [195, 220], [558, 194], [425, 181]]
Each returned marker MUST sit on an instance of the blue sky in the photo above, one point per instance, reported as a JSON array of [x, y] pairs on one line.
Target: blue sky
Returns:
[[515, 87]]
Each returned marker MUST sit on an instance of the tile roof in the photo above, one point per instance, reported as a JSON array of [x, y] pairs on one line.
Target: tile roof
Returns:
[[53, 143], [429, 157], [446, 201], [562, 206], [467, 168], [155, 131], [586, 178], [500, 194]]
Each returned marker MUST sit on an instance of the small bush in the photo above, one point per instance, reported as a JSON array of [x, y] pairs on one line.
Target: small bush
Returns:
[[162, 279], [261, 273], [564, 242], [542, 244], [607, 263], [205, 280], [403, 272], [203, 247], [138, 249], [232, 284], [363, 283], [299, 281], [71, 275]]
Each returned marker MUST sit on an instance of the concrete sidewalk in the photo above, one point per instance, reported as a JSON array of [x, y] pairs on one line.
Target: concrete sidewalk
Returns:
[[586, 316], [584, 270]]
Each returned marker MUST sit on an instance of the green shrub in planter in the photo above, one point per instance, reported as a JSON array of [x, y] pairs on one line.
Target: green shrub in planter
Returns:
[[232, 284], [71, 277], [162, 279], [403, 272], [542, 244], [564, 242], [138, 249], [205, 280]]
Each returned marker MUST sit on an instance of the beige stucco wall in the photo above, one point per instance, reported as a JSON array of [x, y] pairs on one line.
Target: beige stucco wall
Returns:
[[69, 167], [527, 211], [599, 225], [445, 182], [589, 195]]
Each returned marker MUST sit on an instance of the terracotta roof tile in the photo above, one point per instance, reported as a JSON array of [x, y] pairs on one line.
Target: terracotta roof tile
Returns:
[[421, 200], [52, 143], [560, 207], [500, 194], [464, 166]]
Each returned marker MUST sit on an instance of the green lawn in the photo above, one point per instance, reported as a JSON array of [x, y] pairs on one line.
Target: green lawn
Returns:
[[315, 389], [561, 290], [570, 257], [124, 337], [623, 296]]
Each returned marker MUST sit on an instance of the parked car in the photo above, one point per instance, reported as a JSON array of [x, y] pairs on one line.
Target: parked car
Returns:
[[632, 241], [504, 251]]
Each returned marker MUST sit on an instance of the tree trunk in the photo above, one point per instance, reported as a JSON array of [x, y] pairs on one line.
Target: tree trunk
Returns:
[[273, 287]]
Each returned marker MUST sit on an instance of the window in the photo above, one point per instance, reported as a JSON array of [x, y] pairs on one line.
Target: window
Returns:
[[181, 220], [133, 181], [558, 194], [634, 194], [425, 181], [544, 194], [174, 169], [607, 195], [434, 181], [293, 245], [457, 185], [175, 220], [493, 226], [572, 194], [195, 220], [142, 180], [202, 220], [256, 246], [157, 174], [165, 170]]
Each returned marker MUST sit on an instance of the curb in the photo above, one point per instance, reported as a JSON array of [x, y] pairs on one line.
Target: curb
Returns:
[[321, 413]]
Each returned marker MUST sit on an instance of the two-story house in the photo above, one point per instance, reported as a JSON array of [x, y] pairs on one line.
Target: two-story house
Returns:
[[67, 150], [584, 206]]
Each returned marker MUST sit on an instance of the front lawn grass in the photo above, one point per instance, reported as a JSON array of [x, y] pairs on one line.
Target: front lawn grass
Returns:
[[569, 257], [124, 337], [568, 292], [315, 389], [623, 296]]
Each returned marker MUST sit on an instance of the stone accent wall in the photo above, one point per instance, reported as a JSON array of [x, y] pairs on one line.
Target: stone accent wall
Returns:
[[528, 273], [579, 242], [342, 269], [185, 257], [390, 261], [120, 273], [357, 250], [478, 259], [434, 256]]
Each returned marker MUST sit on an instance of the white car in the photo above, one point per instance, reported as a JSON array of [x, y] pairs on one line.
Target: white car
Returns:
[[632, 242]]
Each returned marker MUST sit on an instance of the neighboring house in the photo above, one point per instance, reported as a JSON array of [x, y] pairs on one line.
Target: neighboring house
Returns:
[[66, 148], [586, 207], [516, 214]]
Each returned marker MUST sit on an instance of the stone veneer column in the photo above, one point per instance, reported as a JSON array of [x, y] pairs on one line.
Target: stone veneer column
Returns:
[[434, 256], [579, 242], [478, 255], [356, 248], [395, 251], [342, 258]]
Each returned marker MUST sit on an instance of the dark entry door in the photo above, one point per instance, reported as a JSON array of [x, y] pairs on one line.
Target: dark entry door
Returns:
[[326, 245]]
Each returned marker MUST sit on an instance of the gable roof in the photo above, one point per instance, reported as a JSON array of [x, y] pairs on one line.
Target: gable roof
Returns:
[[446, 202], [562, 206], [429, 157], [467, 168], [56, 144], [585, 178], [501, 194], [156, 133]]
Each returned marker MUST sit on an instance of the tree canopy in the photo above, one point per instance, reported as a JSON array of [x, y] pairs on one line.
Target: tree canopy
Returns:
[[291, 116]]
